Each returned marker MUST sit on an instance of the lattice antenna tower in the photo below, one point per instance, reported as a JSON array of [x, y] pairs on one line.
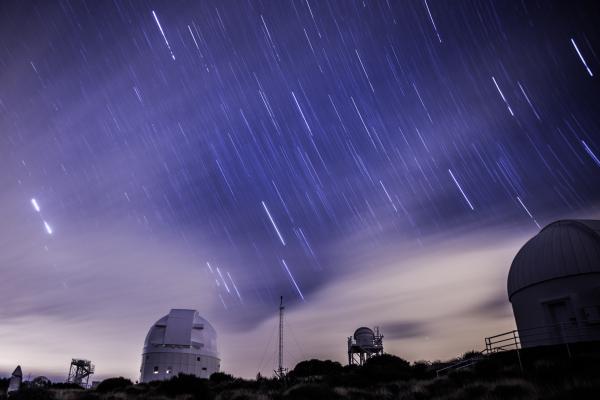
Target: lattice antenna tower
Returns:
[[281, 372]]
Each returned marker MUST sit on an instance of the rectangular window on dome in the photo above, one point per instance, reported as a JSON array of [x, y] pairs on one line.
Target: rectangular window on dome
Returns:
[[155, 370]]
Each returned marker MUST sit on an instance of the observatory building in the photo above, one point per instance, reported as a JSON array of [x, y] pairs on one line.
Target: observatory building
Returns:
[[364, 344], [554, 284], [15, 380], [180, 342]]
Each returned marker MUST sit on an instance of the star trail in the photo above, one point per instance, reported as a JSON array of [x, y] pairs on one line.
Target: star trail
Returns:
[[265, 136]]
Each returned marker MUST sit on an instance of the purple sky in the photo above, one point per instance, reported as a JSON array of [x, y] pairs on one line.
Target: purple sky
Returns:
[[376, 163]]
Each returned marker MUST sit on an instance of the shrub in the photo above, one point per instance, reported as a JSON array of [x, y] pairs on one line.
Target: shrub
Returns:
[[551, 371], [363, 394], [488, 369], [580, 393], [32, 394], [512, 390], [471, 354], [113, 384], [397, 390], [61, 385], [461, 376], [385, 368], [316, 368], [242, 395], [438, 387], [474, 391], [220, 377], [186, 384], [87, 395], [312, 392], [422, 370]]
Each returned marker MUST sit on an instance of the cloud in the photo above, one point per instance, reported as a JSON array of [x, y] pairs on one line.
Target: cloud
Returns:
[[90, 294], [404, 329], [427, 304], [497, 305]]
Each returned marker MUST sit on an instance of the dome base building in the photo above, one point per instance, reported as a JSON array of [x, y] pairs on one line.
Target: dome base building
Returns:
[[180, 342], [554, 285]]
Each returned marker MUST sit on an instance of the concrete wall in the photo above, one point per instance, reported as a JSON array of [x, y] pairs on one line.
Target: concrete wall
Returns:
[[573, 302], [199, 365]]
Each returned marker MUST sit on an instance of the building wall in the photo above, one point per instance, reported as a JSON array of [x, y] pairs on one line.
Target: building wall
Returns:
[[195, 364], [571, 304]]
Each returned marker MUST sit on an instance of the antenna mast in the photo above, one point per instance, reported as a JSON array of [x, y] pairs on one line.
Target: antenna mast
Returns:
[[280, 373]]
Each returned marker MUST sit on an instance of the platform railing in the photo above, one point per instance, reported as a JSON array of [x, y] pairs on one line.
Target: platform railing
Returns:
[[555, 334], [563, 333]]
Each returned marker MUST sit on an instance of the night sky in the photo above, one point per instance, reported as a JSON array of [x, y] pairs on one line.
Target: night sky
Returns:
[[218, 154]]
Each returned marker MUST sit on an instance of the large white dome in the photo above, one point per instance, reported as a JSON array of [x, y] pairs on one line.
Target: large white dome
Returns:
[[182, 331], [561, 249], [180, 342]]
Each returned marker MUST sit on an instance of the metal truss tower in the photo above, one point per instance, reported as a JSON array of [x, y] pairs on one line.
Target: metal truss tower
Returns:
[[281, 371], [80, 371]]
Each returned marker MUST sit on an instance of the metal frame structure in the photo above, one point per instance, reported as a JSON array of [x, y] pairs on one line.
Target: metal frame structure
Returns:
[[563, 333], [359, 353], [80, 371], [281, 372]]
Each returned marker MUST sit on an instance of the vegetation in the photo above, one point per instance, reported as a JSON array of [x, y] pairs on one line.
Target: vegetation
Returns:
[[547, 375], [113, 384]]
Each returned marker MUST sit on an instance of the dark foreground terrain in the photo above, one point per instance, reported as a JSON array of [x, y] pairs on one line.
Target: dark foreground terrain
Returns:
[[550, 373]]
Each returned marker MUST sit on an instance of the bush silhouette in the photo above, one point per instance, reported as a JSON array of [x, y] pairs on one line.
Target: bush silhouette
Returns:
[[474, 391], [62, 385], [386, 367], [316, 368], [113, 384], [186, 384], [220, 377], [512, 390], [312, 392], [471, 354], [32, 394], [422, 370], [439, 387], [87, 395], [4, 385]]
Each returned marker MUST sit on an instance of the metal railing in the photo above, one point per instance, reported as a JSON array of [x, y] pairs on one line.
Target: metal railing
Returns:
[[547, 335], [563, 333], [556, 334]]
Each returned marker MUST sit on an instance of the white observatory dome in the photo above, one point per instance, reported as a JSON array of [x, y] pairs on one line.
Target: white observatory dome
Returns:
[[554, 284], [561, 249], [364, 336], [180, 342]]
